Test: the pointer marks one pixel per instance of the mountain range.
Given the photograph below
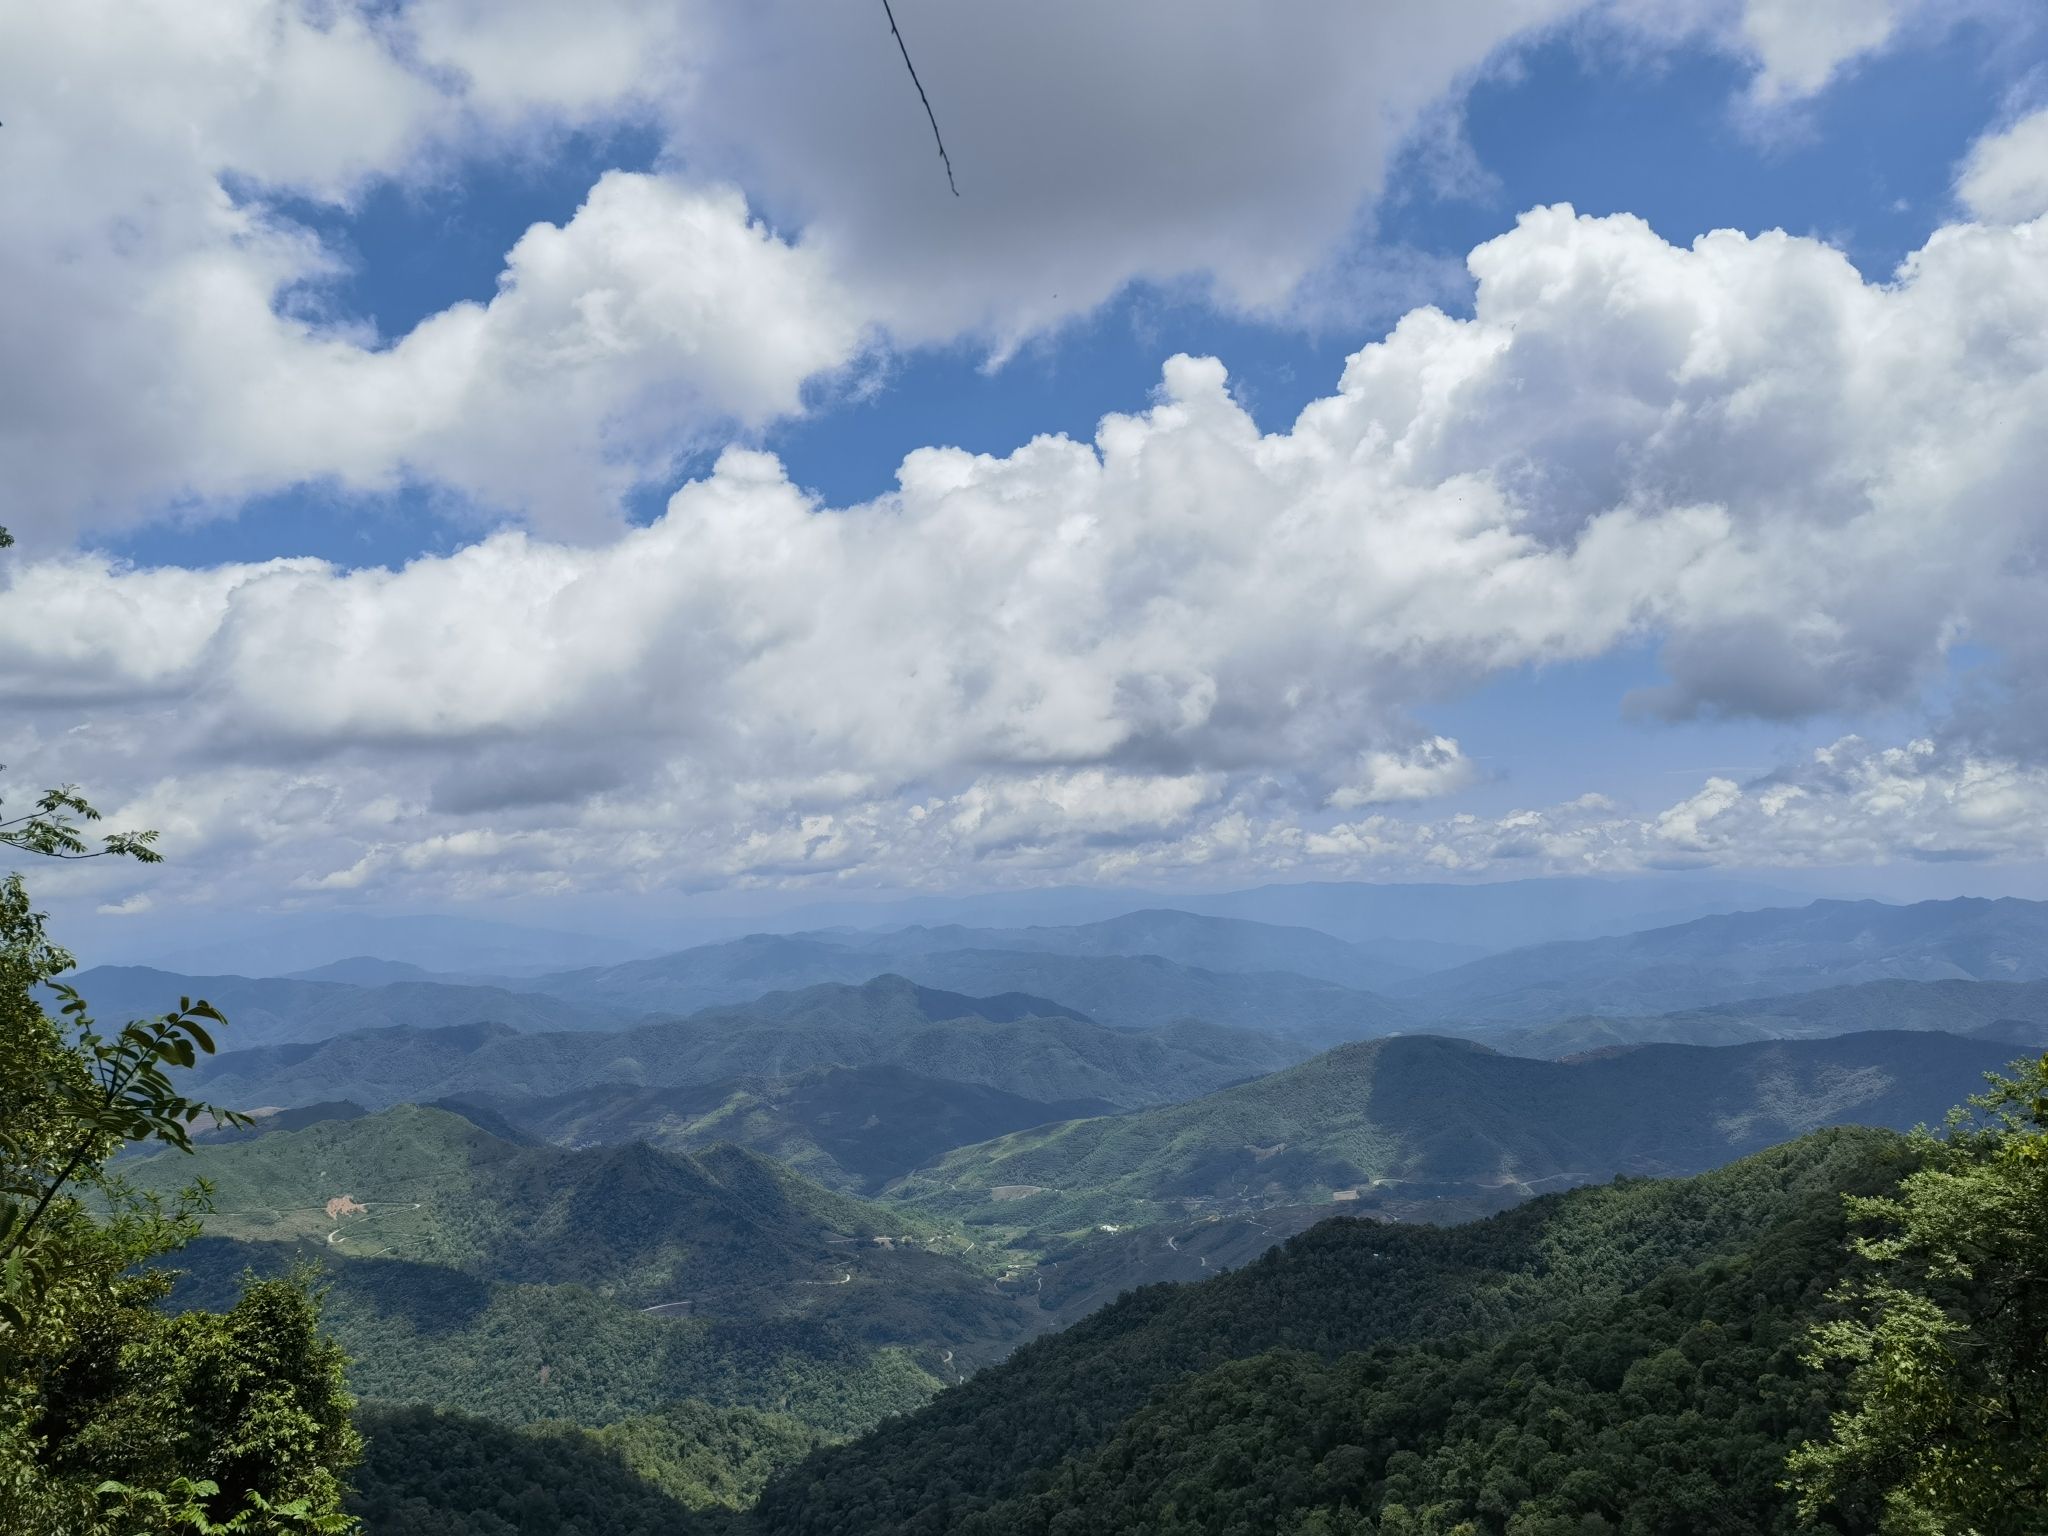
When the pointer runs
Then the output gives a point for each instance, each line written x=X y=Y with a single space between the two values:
x=1140 y=970
x=1131 y=990
x=1210 y=943
x=1430 y=925
x=2015 y=1012
x=1031 y=1049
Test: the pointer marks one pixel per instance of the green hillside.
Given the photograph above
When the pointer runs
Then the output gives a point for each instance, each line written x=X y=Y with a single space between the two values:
x=1644 y=1331
x=885 y=1022
x=532 y=1282
x=1412 y=1125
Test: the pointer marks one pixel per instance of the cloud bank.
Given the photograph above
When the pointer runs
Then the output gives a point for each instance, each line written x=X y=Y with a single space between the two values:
x=1183 y=645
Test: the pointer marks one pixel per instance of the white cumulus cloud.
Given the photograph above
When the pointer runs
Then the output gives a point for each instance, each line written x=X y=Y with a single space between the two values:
x=2005 y=177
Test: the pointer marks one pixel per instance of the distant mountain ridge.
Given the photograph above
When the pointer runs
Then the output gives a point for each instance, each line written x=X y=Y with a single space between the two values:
x=280 y=1010
x=2014 y=1011
x=1433 y=924
x=1134 y=991
x=283 y=946
x=1731 y=958
x=1186 y=938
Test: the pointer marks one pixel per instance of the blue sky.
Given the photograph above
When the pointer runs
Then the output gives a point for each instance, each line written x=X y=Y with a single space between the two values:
x=792 y=710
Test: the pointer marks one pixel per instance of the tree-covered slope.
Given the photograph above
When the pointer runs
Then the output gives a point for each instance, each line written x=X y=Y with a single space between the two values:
x=885 y=1022
x=1213 y=1407
x=1746 y=955
x=1422 y=1117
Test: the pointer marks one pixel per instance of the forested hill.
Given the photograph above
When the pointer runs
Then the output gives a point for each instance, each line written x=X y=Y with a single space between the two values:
x=1424 y=1119
x=1619 y=1357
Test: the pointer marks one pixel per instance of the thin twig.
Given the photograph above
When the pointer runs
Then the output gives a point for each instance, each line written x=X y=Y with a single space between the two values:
x=904 y=49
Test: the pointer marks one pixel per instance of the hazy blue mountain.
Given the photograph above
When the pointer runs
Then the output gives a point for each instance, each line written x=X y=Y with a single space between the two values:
x=290 y=945
x=1136 y=991
x=2009 y=1010
x=1188 y=938
x=1425 y=925
x=888 y=1000
x=369 y=971
x=707 y=975
x=270 y=1010
x=1745 y=955
x=1494 y=916
x=888 y=1021
x=1401 y=1122
x=1141 y=991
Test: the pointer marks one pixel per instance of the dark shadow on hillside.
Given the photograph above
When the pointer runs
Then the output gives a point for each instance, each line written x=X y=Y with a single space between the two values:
x=430 y=1297
x=428 y=1473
